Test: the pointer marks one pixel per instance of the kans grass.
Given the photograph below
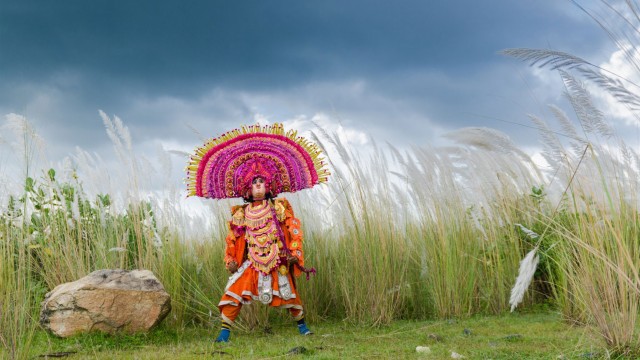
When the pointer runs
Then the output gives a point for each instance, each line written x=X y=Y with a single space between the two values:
x=423 y=234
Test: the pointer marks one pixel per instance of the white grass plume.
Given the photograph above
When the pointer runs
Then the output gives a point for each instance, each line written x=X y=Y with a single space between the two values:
x=181 y=153
x=557 y=60
x=553 y=151
x=578 y=142
x=590 y=117
x=484 y=138
x=75 y=206
x=123 y=132
x=530 y=233
x=615 y=87
x=544 y=57
x=528 y=267
x=111 y=129
x=25 y=142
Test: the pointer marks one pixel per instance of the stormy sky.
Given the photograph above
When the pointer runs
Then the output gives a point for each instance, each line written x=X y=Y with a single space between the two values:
x=403 y=72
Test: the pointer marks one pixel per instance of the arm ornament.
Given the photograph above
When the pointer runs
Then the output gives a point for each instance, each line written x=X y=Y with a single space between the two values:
x=237 y=218
x=279 y=205
x=295 y=239
x=293 y=228
x=235 y=242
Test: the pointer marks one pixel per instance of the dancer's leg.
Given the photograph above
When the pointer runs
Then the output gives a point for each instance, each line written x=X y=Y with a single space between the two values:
x=228 y=313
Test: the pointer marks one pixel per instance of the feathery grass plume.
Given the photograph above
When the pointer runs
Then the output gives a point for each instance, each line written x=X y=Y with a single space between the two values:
x=553 y=151
x=112 y=132
x=482 y=137
x=396 y=154
x=180 y=153
x=545 y=57
x=615 y=87
x=27 y=145
x=121 y=138
x=123 y=133
x=494 y=140
x=577 y=142
x=530 y=233
x=75 y=208
x=528 y=267
x=613 y=84
x=591 y=119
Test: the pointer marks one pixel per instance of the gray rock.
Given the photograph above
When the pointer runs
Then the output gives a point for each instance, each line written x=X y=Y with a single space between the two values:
x=106 y=300
x=513 y=337
x=297 y=350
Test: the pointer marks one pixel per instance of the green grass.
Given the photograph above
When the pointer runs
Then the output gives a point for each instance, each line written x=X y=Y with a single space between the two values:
x=539 y=335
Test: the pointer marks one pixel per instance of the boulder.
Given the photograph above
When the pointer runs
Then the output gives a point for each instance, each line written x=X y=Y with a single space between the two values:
x=106 y=300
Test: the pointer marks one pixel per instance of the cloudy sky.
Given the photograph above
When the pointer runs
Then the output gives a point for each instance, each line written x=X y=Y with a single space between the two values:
x=404 y=72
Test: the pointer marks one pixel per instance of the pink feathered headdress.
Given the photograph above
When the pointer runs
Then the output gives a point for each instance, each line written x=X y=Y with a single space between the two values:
x=225 y=167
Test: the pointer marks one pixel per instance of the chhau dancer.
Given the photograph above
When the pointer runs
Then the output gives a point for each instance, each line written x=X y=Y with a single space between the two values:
x=264 y=244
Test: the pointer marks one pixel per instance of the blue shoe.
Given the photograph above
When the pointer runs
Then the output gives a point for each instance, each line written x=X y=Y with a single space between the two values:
x=304 y=330
x=223 y=336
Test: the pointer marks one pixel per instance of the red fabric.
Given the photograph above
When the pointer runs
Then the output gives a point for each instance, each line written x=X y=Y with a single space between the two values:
x=247 y=287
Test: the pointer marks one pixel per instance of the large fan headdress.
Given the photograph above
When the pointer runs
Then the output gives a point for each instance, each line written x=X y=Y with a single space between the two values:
x=224 y=167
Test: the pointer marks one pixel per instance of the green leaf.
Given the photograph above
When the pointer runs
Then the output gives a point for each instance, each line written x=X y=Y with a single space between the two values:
x=29 y=183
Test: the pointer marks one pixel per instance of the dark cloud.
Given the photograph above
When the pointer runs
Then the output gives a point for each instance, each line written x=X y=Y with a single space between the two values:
x=170 y=47
x=395 y=68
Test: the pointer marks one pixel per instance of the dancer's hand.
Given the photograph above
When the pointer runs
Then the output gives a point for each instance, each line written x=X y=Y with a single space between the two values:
x=232 y=266
x=292 y=260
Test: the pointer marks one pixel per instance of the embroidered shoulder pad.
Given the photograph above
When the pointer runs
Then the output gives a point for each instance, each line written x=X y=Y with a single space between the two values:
x=238 y=215
x=279 y=205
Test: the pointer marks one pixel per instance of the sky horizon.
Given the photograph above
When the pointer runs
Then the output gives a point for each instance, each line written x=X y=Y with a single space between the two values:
x=405 y=73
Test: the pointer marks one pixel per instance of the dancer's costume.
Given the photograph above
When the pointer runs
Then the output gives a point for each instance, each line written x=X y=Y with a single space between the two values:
x=265 y=238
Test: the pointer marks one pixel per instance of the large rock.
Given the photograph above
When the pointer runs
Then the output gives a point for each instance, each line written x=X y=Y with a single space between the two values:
x=106 y=300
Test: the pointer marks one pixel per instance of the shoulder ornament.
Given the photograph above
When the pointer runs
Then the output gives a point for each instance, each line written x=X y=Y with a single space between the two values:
x=238 y=217
x=279 y=205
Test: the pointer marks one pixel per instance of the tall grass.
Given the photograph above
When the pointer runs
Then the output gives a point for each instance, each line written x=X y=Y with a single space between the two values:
x=426 y=233
x=19 y=293
x=18 y=296
x=420 y=234
x=404 y=230
x=597 y=236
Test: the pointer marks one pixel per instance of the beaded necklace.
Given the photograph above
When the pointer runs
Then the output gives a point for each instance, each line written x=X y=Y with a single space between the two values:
x=262 y=236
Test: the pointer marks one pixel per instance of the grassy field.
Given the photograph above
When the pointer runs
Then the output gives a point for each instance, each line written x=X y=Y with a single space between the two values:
x=539 y=335
x=451 y=252
x=448 y=245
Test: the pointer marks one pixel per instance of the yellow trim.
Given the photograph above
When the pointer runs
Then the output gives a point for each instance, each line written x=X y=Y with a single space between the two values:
x=312 y=149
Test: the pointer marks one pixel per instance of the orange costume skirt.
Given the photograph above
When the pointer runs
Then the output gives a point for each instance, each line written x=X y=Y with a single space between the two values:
x=248 y=284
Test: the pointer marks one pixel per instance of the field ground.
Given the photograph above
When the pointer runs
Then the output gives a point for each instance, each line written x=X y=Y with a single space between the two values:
x=539 y=335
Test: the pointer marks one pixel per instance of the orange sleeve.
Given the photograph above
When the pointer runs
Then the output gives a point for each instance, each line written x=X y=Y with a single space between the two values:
x=235 y=242
x=230 y=249
x=292 y=228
